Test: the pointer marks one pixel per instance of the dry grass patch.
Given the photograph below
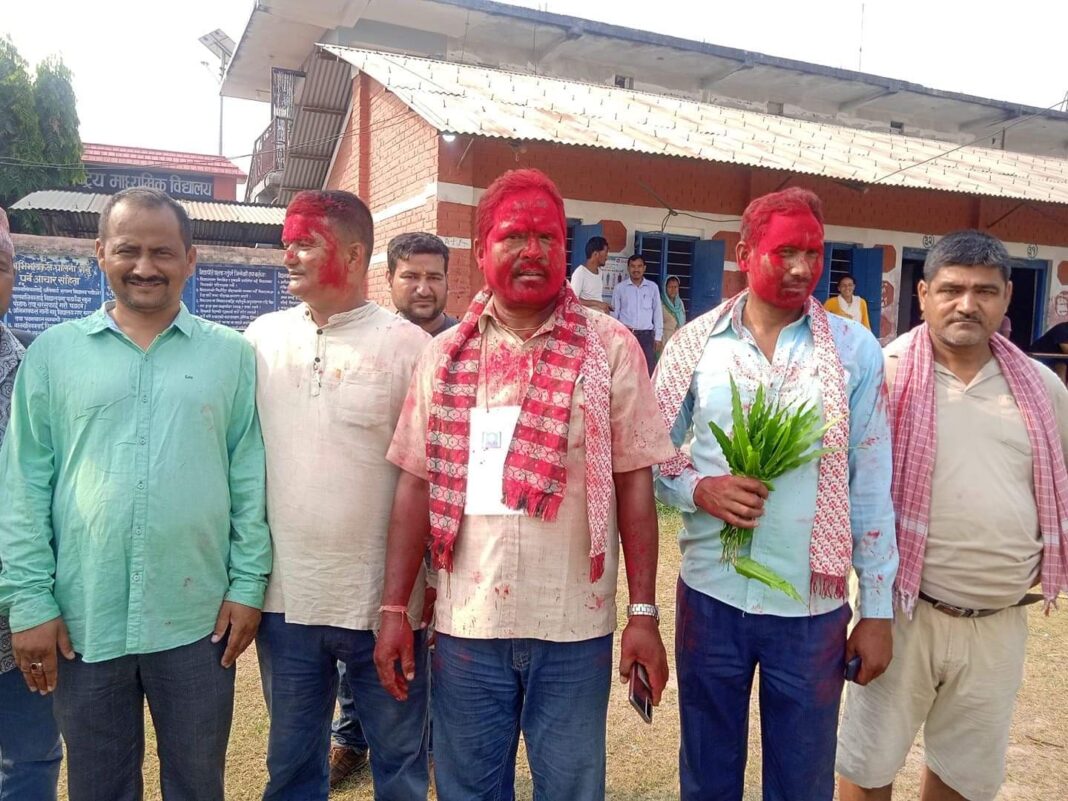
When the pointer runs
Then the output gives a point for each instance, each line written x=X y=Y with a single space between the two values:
x=643 y=760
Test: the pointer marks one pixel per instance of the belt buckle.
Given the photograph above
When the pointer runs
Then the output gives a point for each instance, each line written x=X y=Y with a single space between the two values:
x=955 y=611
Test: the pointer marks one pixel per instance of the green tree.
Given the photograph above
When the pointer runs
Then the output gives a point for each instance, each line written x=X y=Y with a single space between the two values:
x=38 y=126
x=57 y=119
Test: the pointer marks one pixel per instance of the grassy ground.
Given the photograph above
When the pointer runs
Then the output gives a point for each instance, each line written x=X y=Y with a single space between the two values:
x=643 y=760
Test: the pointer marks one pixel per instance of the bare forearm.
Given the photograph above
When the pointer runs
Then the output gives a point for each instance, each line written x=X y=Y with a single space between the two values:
x=638 y=532
x=409 y=527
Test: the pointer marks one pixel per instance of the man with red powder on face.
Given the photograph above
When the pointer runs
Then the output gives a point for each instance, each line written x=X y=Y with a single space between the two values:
x=332 y=373
x=821 y=519
x=526 y=442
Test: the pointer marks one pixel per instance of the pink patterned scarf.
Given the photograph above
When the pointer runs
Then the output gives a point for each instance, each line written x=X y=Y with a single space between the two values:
x=831 y=545
x=912 y=421
x=535 y=473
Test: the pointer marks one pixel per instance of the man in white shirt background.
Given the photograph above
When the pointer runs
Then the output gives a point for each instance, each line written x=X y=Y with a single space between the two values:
x=636 y=304
x=587 y=281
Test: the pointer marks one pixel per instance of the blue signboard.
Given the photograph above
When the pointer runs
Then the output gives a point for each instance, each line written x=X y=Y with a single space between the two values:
x=52 y=289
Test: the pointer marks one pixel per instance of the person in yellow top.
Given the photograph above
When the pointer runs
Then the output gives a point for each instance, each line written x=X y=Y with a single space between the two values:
x=847 y=304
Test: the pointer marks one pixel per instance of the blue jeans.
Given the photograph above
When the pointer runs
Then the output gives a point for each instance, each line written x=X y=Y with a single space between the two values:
x=717 y=649
x=488 y=691
x=30 y=752
x=100 y=708
x=298 y=666
x=346 y=729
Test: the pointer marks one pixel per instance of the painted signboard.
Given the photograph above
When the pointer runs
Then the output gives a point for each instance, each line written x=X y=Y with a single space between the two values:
x=52 y=289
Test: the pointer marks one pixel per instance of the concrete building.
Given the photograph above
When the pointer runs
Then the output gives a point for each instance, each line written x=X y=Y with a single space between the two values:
x=656 y=143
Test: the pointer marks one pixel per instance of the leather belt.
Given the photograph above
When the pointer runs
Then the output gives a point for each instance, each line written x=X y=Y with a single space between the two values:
x=960 y=611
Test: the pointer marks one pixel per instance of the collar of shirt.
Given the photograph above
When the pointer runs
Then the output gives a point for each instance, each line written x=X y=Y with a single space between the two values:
x=736 y=323
x=101 y=320
x=490 y=313
x=341 y=318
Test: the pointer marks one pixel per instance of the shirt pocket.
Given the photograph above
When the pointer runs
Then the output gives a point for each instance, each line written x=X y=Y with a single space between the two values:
x=364 y=398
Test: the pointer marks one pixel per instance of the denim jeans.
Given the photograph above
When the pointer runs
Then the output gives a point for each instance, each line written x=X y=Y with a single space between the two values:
x=100 y=708
x=717 y=649
x=346 y=728
x=488 y=691
x=298 y=666
x=30 y=752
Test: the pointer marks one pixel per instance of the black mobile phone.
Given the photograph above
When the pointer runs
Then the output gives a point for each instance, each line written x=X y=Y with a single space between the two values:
x=641 y=694
x=852 y=668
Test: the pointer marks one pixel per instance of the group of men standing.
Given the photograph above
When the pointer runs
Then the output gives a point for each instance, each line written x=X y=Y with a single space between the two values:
x=172 y=490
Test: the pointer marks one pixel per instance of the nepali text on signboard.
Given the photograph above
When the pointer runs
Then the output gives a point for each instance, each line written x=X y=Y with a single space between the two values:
x=181 y=185
x=53 y=289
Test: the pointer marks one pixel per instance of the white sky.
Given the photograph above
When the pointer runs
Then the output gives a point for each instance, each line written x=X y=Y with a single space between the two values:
x=139 y=78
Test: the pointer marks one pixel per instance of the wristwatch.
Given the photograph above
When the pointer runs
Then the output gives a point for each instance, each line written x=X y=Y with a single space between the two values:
x=649 y=610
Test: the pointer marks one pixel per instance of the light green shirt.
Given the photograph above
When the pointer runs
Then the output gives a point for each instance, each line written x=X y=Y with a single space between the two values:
x=132 y=485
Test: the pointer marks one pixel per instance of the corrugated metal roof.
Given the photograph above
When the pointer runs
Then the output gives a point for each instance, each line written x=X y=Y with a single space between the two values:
x=208 y=211
x=464 y=99
x=120 y=155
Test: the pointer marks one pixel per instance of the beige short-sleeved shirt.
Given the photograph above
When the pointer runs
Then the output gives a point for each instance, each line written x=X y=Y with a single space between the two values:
x=328 y=400
x=984 y=547
x=518 y=576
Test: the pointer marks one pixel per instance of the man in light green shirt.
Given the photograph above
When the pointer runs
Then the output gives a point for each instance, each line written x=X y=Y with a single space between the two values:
x=132 y=522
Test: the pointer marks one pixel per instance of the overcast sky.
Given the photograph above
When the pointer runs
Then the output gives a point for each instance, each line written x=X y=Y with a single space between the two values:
x=139 y=78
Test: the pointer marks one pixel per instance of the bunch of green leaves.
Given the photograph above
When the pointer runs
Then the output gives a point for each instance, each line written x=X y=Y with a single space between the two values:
x=766 y=441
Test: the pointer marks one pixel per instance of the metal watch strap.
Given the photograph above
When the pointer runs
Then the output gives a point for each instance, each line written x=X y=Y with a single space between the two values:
x=649 y=610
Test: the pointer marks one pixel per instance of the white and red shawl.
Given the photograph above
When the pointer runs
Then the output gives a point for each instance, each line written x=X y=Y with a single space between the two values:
x=913 y=420
x=831 y=545
x=535 y=471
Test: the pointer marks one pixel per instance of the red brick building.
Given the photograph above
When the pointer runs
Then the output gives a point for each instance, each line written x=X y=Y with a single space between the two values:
x=665 y=173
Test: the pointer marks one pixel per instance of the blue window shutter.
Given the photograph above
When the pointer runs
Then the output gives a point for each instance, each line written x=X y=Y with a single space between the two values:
x=867 y=270
x=706 y=278
x=583 y=234
x=823 y=288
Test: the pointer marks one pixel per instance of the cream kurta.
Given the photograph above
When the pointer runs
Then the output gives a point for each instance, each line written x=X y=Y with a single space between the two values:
x=328 y=400
x=984 y=547
x=518 y=576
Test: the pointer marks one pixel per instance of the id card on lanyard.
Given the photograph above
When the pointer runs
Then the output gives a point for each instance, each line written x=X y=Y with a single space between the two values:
x=491 y=436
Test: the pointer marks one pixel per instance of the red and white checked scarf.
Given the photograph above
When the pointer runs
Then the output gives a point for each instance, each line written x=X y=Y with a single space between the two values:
x=912 y=422
x=535 y=470
x=831 y=547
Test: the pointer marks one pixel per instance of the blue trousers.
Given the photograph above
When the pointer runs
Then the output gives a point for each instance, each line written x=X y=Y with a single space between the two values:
x=717 y=650
x=30 y=751
x=100 y=708
x=346 y=728
x=298 y=667
x=488 y=691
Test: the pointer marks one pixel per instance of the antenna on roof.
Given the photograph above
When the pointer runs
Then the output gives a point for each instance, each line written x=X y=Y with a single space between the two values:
x=860 y=51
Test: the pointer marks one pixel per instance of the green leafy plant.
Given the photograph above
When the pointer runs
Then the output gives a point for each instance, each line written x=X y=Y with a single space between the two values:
x=765 y=442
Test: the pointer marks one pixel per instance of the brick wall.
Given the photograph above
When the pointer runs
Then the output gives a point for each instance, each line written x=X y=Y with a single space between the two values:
x=387 y=155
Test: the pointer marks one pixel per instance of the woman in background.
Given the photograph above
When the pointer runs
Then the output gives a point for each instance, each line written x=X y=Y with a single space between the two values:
x=674 y=311
x=847 y=304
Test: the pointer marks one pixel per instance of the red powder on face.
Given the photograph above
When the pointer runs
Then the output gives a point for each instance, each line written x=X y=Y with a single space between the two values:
x=785 y=265
x=306 y=217
x=524 y=259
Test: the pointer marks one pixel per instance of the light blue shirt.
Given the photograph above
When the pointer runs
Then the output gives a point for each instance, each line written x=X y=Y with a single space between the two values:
x=638 y=307
x=781 y=540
